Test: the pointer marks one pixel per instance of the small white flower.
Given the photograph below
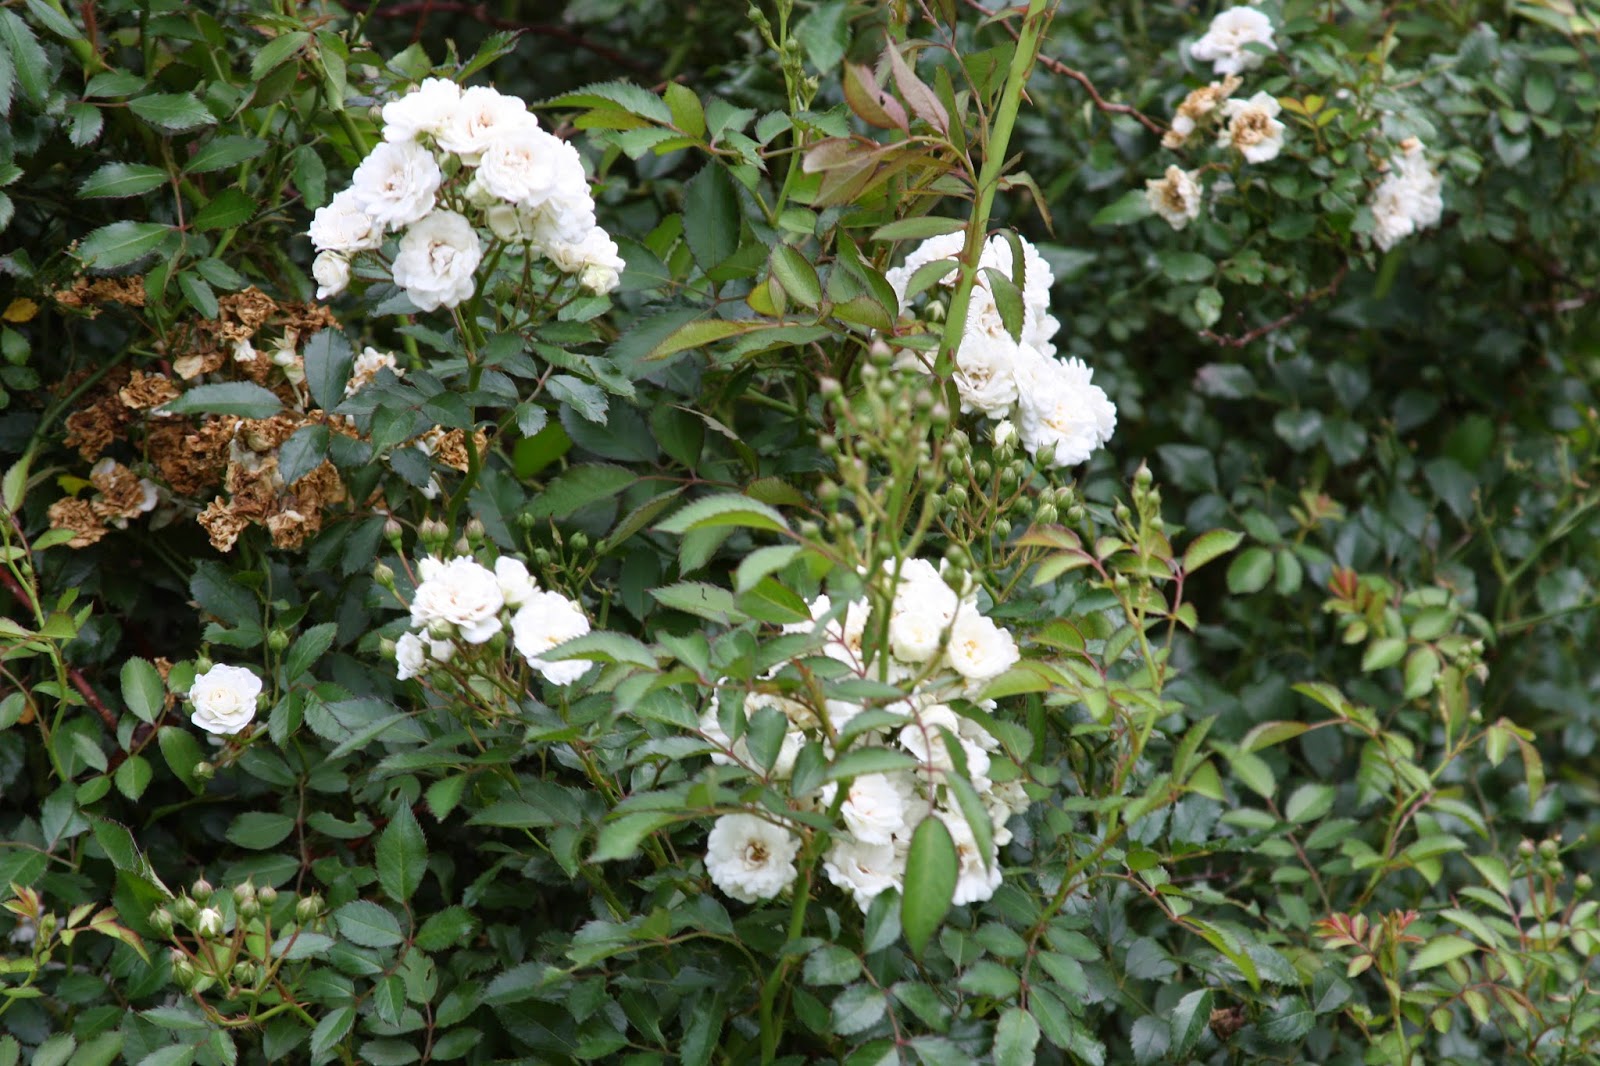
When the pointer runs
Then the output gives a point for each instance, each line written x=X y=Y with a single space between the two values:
x=224 y=699
x=332 y=273
x=482 y=116
x=864 y=870
x=1005 y=434
x=516 y=584
x=208 y=923
x=428 y=110
x=410 y=656
x=594 y=259
x=366 y=367
x=1253 y=128
x=925 y=739
x=528 y=166
x=1223 y=45
x=1060 y=406
x=874 y=809
x=980 y=650
x=1408 y=199
x=985 y=373
x=1175 y=197
x=396 y=184
x=341 y=225
x=460 y=593
x=546 y=621
x=749 y=858
x=437 y=260
x=26 y=932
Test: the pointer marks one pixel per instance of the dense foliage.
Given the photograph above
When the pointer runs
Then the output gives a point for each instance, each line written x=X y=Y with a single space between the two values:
x=844 y=532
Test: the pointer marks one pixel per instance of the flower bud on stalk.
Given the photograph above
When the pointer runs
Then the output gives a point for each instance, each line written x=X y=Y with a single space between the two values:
x=208 y=923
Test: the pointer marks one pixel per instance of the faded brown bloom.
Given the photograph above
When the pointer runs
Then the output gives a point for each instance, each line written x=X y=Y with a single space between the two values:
x=241 y=314
x=222 y=524
x=90 y=292
x=1196 y=107
x=289 y=528
x=92 y=429
x=123 y=495
x=144 y=391
x=450 y=446
x=78 y=516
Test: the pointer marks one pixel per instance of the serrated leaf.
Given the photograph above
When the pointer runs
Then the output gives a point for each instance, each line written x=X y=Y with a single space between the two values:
x=1209 y=546
x=143 y=690
x=175 y=112
x=402 y=855
x=230 y=208
x=1440 y=950
x=121 y=179
x=711 y=216
x=930 y=880
x=367 y=924
x=307 y=649
x=218 y=153
x=28 y=59
x=713 y=512
x=243 y=398
x=121 y=243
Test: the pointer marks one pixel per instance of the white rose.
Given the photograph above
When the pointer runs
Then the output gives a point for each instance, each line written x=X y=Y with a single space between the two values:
x=224 y=699
x=594 y=259
x=874 y=809
x=437 y=260
x=1175 y=197
x=1058 y=405
x=410 y=657
x=979 y=650
x=1253 y=128
x=479 y=118
x=526 y=166
x=864 y=870
x=516 y=584
x=985 y=373
x=364 y=371
x=749 y=858
x=332 y=272
x=1223 y=45
x=396 y=184
x=342 y=226
x=429 y=110
x=976 y=880
x=548 y=620
x=461 y=593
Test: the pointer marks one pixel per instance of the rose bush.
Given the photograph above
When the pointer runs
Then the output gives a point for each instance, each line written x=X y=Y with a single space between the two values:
x=640 y=541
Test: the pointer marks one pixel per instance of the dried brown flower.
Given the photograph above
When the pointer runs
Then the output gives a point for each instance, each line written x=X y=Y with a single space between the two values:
x=78 y=516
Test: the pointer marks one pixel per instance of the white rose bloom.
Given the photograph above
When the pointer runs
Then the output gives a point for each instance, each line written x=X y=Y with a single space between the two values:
x=546 y=621
x=924 y=739
x=1253 y=128
x=1005 y=434
x=979 y=650
x=461 y=593
x=974 y=882
x=1408 y=199
x=749 y=858
x=864 y=870
x=479 y=118
x=527 y=166
x=224 y=699
x=332 y=273
x=437 y=260
x=342 y=226
x=1223 y=45
x=985 y=373
x=567 y=215
x=1175 y=197
x=1038 y=327
x=396 y=184
x=516 y=584
x=594 y=259
x=1059 y=405
x=364 y=371
x=874 y=809
x=427 y=110
x=410 y=656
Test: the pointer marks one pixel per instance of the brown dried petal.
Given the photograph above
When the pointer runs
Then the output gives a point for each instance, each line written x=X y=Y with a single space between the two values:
x=78 y=516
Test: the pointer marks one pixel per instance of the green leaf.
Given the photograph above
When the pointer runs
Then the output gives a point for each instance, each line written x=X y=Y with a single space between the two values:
x=143 y=690
x=930 y=880
x=176 y=112
x=1186 y=266
x=580 y=486
x=857 y=1008
x=182 y=753
x=711 y=216
x=367 y=924
x=1209 y=546
x=446 y=928
x=1291 y=1020
x=243 y=398
x=1309 y=802
x=328 y=359
x=333 y=1028
x=796 y=274
x=229 y=208
x=1131 y=206
x=31 y=65
x=1250 y=571
x=713 y=512
x=199 y=294
x=121 y=243
x=402 y=855
x=869 y=760
x=699 y=598
x=1440 y=950
x=121 y=179
x=276 y=52
x=1382 y=653
x=259 y=830
x=302 y=453
x=219 y=153
x=621 y=94
x=1016 y=1038
x=917 y=229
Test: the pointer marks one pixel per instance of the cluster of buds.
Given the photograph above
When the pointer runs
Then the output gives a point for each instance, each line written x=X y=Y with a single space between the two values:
x=218 y=937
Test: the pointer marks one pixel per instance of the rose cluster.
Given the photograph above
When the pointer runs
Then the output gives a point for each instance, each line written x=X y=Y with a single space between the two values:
x=1408 y=199
x=942 y=650
x=453 y=161
x=1062 y=417
x=460 y=604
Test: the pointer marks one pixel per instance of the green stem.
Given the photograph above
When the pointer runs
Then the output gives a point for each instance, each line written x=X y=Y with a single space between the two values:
x=994 y=161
